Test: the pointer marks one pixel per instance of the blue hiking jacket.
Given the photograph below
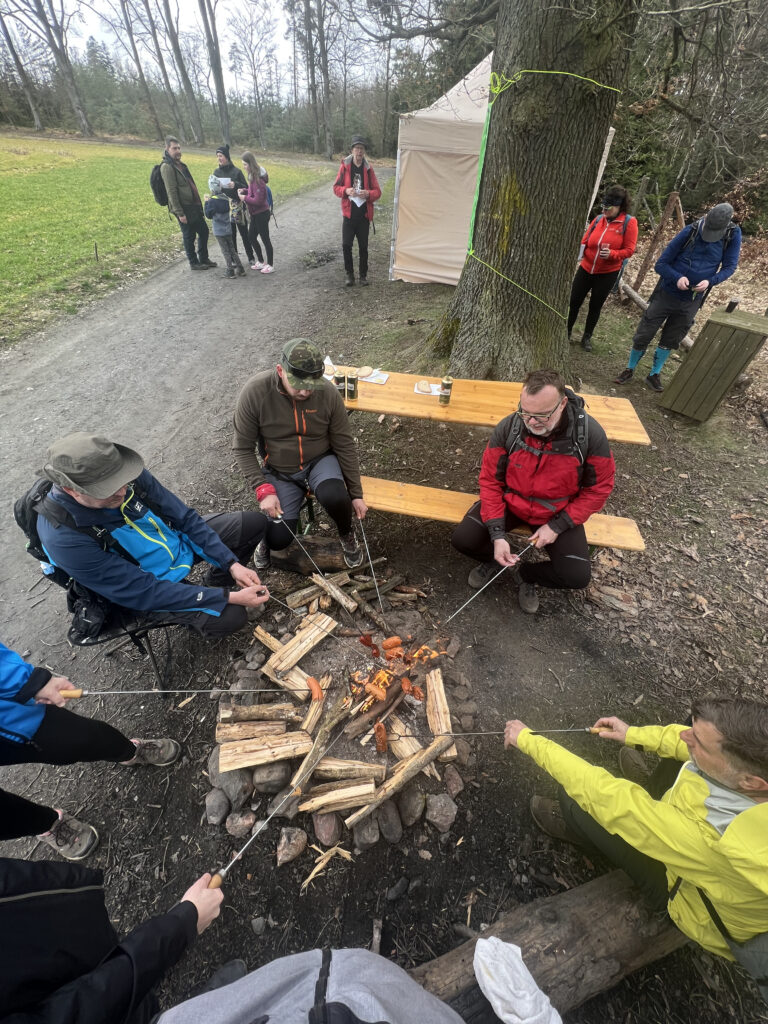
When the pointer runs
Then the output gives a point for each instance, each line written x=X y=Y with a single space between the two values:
x=20 y=717
x=702 y=261
x=217 y=209
x=162 y=534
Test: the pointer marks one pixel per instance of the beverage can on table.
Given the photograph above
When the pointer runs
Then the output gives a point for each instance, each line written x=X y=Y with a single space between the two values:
x=340 y=383
x=352 y=386
x=445 y=390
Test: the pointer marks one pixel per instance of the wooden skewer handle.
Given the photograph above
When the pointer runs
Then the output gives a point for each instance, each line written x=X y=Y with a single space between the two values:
x=595 y=732
x=71 y=694
x=216 y=881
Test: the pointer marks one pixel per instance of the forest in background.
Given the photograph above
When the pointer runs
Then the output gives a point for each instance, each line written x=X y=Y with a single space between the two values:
x=691 y=115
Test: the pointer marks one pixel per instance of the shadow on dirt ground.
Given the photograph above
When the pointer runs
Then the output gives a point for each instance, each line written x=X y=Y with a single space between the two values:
x=158 y=368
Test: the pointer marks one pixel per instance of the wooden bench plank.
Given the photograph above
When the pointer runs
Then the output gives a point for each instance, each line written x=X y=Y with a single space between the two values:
x=451 y=507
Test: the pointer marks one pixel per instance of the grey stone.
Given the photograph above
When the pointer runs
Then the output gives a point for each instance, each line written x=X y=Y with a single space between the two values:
x=463 y=750
x=215 y=693
x=441 y=811
x=327 y=827
x=293 y=842
x=271 y=778
x=259 y=925
x=460 y=693
x=416 y=883
x=405 y=623
x=237 y=784
x=411 y=804
x=467 y=723
x=255 y=656
x=366 y=833
x=453 y=781
x=389 y=822
x=397 y=890
x=453 y=647
x=258 y=826
x=240 y=823
x=289 y=809
x=216 y=806
x=468 y=707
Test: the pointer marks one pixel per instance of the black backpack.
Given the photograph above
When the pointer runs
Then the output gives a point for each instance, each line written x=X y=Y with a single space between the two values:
x=157 y=185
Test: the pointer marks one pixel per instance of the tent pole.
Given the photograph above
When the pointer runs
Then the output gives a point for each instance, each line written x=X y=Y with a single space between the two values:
x=394 y=213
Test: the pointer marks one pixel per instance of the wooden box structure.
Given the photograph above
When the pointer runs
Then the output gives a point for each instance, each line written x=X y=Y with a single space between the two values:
x=727 y=344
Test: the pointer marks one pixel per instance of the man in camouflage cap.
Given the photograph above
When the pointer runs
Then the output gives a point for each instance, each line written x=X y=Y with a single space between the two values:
x=292 y=436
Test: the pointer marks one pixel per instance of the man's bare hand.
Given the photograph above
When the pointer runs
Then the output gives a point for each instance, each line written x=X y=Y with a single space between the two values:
x=701 y=286
x=207 y=902
x=182 y=220
x=543 y=536
x=511 y=732
x=49 y=694
x=271 y=506
x=683 y=283
x=502 y=552
x=360 y=507
x=612 y=728
x=249 y=597
x=243 y=576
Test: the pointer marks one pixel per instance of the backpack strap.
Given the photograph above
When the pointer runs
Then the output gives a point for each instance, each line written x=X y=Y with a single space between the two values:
x=55 y=513
x=592 y=227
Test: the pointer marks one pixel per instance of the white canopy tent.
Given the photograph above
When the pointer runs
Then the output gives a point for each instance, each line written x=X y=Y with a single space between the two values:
x=437 y=157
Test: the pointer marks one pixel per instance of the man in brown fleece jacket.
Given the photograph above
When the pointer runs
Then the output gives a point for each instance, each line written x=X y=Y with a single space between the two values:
x=296 y=422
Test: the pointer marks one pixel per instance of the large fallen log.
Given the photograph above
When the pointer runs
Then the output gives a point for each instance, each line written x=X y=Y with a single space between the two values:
x=575 y=944
x=326 y=552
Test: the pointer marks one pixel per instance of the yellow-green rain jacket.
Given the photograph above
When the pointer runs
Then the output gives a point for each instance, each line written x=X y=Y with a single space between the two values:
x=708 y=836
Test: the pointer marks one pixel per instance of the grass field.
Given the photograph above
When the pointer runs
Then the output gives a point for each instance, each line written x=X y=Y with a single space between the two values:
x=65 y=201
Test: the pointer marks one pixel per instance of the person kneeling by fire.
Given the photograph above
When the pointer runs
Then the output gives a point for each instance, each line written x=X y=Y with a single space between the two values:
x=548 y=466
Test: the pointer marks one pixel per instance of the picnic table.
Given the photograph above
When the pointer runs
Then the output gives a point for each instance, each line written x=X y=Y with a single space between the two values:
x=484 y=403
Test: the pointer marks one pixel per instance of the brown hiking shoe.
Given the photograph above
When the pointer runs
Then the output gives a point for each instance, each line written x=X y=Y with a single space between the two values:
x=527 y=594
x=549 y=819
x=157 y=752
x=633 y=767
x=70 y=838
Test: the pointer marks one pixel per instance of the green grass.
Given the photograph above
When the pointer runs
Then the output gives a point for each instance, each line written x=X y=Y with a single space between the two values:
x=66 y=201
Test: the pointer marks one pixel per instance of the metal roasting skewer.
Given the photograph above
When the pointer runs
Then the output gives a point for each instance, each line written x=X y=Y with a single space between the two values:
x=370 y=562
x=295 y=537
x=490 y=581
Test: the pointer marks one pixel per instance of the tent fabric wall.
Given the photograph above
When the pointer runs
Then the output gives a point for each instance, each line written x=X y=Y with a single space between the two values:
x=438 y=154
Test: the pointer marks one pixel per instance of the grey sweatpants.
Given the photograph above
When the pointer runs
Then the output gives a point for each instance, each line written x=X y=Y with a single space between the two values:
x=676 y=316
x=229 y=252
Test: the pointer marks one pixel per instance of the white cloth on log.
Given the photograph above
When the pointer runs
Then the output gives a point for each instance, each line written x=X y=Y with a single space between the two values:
x=508 y=985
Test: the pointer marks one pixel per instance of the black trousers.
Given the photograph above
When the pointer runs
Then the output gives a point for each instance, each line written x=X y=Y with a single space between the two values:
x=259 y=225
x=568 y=567
x=62 y=738
x=674 y=316
x=243 y=230
x=195 y=228
x=356 y=226
x=598 y=287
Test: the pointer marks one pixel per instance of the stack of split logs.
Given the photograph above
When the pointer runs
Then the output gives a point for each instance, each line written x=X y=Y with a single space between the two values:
x=347 y=747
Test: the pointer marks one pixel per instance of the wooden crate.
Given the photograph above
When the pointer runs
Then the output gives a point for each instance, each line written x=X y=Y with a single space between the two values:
x=727 y=344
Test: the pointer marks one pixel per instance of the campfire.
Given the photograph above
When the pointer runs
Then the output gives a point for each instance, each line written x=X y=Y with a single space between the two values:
x=348 y=746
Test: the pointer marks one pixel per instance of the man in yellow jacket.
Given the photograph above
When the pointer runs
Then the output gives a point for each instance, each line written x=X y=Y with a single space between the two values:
x=704 y=840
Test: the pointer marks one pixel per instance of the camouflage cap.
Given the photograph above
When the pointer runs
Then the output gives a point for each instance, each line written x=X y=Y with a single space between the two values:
x=302 y=362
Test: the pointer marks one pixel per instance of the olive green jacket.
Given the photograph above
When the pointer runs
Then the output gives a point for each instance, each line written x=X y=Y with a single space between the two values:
x=182 y=197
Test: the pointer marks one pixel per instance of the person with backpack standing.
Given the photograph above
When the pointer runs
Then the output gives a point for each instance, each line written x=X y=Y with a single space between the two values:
x=256 y=198
x=185 y=204
x=699 y=257
x=35 y=730
x=608 y=243
x=358 y=189
x=226 y=171
x=547 y=466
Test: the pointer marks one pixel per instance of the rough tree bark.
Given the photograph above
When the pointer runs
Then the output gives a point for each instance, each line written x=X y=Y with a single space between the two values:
x=181 y=67
x=127 y=18
x=309 y=53
x=545 y=138
x=322 y=52
x=26 y=85
x=170 y=95
x=208 y=14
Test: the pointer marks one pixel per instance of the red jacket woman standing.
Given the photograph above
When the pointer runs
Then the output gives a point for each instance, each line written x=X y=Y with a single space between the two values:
x=609 y=240
x=358 y=189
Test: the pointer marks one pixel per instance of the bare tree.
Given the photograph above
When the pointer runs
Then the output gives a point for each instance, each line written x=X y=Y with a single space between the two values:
x=50 y=21
x=322 y=54
x=157 y=52
x=170 y=24
x=254 y=29
x=208 y=14
x=26 y=85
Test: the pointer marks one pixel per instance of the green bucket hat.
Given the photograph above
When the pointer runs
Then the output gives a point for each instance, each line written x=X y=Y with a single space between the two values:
x=91 y=464
x=302 y=362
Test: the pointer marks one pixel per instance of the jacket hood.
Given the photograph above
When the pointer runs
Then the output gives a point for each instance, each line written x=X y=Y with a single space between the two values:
x=348 y=160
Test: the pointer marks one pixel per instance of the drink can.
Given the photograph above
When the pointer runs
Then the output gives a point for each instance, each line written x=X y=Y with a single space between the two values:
x=352 y=386
x=340 y=383
x=445 y=390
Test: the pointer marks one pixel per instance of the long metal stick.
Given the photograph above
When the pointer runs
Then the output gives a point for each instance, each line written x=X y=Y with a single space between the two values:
x=295 y=537
x=370 y=562
x=77 y=692
x=490 y=581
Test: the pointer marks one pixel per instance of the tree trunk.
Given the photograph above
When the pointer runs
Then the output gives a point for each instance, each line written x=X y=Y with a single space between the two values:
x=385 y=123
x=323 y=55
x=170 y=94
x=189 y=92
x=310 y=56
x=26 y=85
x=128 y=24
x=545 y=138
x=575 y=944
x=208 y=15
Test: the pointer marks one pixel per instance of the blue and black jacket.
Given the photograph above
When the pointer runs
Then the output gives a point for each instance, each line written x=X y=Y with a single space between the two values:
x=158 y=539
x=701 y=261
x=20 y=717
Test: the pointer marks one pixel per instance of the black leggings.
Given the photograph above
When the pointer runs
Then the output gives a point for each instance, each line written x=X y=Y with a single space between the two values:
x=568 y=567
x=259 y=225
x=600 y=286
x=62 y=738
x=243 y=229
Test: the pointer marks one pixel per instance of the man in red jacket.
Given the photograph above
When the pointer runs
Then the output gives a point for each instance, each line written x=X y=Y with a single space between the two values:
x=547 y=466
x=358 y=189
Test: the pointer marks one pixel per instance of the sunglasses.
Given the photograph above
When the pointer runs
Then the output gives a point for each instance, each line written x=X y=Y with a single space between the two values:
x=302 y=374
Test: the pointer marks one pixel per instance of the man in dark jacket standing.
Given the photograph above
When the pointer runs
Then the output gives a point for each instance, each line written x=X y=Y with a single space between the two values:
x=547 y=466
x=185 y=204
x=358 y=189
x=698 y=257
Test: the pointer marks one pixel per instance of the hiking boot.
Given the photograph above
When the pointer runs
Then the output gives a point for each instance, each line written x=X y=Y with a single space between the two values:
x=157 y=752
x=527 y=595
x=549 y=819
x=353 y=553
x=70 y=838
x=197 y=266
x=229 y=272
x=241 y=271
x=633 y=767
x=624 y=377
x=349 y=280
x=482 y=574
x=654 y=381
x=207 y=262
x=262 y=557
x=363 y=281
x=586 y=342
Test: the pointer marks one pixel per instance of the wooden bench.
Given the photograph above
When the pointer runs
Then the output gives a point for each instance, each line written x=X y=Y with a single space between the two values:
x=451 y=507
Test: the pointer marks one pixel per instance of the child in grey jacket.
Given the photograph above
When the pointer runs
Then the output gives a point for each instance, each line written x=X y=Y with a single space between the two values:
x=217 y=210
